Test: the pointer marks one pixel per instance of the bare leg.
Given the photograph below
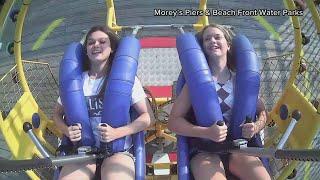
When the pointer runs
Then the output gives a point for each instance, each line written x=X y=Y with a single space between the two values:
x=119 y=166
x=248 y=167
x=78 y=171
x=207 y=166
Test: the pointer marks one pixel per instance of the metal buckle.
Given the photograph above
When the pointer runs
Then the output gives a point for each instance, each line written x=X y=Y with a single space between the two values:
x=240 y=143
x=84 y=149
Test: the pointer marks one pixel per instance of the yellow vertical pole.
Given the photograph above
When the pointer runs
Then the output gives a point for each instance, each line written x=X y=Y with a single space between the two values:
x=111 y=16
x=4 y=13
x=202 y=20
x=17 y=45
x=297 y=47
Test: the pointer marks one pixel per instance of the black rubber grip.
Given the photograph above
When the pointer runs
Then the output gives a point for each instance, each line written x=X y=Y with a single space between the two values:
x=299 y=155
x=214 y=147
x=220 y=123
x=22 y=165
x=296 y=114
x=103 y=145
x=248 y=120
x=27 y=126
x=75 y=124
x=104 y=124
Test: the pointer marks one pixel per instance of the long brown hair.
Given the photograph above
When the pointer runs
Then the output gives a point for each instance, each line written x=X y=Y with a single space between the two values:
x=114 y=41
x=228 y=34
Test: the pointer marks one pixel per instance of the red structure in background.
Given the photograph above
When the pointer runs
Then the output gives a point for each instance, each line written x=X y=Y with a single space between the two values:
x=159 y=91
x=159 y=42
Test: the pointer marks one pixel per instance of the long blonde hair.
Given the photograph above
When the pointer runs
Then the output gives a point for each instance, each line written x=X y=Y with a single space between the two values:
x=228 y=34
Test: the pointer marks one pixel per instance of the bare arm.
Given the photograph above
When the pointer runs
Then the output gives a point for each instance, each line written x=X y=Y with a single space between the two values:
x=144 y=110
x=72 y=132
x=177 y=122
x=250 y=129
x=181 y=126
x=109 y=133
x=150 y=112
x=261 y=121
x=58 y=119
x=262 y=116
x=143 y=121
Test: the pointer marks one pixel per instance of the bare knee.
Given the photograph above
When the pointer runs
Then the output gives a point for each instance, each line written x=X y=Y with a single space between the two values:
x=74 y=171
x=246 y=167
x=207 y=166
x=118 y=166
